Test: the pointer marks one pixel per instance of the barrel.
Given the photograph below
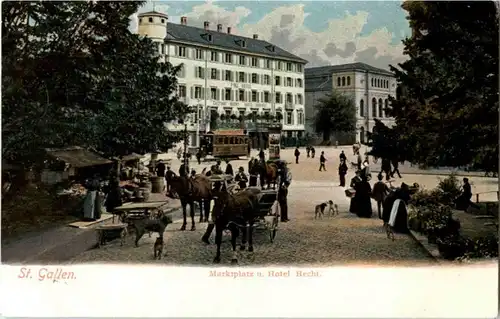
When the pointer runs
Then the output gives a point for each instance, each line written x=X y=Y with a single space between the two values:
x=157 y=184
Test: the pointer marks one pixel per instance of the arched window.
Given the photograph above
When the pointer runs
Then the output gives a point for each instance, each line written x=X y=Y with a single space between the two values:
x=374 y=107
x=343 y=81
x=386 y=84
x=362 y=134
x=362 y=108
x=378 y=83
x=348 y=80
x=338 y=81
x=386 y=106
x=380 y=108
x=372 y=82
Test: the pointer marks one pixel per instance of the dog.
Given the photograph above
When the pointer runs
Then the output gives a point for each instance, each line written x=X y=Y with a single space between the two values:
x=319 y=210
x=388 y=231
x=333 y=209
x=151 y=225
x=158 y=248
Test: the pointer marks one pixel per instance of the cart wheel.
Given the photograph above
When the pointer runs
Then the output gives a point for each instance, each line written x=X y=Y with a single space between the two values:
x=273 y=229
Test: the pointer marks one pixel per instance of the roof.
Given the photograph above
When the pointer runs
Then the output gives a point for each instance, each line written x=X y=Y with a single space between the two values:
x=225 y=40
x=77 y=156
x=358 y=66
x=319 y=83
x=152 y=13
x=131 y=157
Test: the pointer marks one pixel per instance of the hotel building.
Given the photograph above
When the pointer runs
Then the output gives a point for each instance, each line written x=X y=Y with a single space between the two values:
x=225 y=75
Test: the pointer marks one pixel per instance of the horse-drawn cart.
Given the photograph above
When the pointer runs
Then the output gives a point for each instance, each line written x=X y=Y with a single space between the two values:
x=267 y=218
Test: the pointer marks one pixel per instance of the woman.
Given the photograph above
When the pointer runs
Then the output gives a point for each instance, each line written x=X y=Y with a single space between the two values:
x=114 y=198
x=363 y=198
x=354 y=181
x=91 y=205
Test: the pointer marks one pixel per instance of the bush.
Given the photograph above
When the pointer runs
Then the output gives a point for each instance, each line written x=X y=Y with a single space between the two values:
x=449 y=189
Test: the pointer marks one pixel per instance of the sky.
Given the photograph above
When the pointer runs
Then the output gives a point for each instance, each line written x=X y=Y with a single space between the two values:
x=321 y=32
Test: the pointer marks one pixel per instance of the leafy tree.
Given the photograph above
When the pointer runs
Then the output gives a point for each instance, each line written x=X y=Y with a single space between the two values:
x=448 y=114
x=73 y=74
x=334 y=113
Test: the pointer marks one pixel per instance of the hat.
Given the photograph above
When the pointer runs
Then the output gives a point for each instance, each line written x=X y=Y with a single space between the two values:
x=241 y=168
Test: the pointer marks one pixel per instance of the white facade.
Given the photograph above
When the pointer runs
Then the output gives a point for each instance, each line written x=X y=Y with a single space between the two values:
x=232 y=82
x=370 y=91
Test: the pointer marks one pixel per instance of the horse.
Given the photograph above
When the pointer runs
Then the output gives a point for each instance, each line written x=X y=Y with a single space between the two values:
x=190 y=190
x=268 y=173
x=234 y=212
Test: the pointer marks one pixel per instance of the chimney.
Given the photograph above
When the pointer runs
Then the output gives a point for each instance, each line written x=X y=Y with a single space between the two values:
x=219 y=28
x=206 y=24
x=228 y=30
x=255 y=36
x=184 y=20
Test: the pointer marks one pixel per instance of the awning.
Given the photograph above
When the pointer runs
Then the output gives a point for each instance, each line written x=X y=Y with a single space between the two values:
x=132 y=157
x=77 y=156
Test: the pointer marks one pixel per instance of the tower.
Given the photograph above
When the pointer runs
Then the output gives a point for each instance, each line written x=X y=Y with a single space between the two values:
x=153 y=25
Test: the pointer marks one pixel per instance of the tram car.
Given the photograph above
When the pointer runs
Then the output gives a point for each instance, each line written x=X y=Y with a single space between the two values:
x=226 y=144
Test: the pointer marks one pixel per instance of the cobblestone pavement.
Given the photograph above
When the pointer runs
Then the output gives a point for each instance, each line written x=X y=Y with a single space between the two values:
x=302 y=241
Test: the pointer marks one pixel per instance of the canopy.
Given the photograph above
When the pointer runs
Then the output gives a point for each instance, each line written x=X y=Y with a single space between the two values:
x=77 y=156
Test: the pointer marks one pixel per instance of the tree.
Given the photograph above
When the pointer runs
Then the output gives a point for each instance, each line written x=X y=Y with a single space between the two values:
x=334 y=113
x=73 y=74
x=448 y=115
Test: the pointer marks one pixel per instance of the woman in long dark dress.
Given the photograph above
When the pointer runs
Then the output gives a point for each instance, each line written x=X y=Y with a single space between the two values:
x=114 y=198
x=363 y=199
x=355 y=180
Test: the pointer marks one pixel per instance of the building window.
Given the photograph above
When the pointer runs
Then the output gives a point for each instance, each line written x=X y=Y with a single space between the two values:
x=300 y=118
x=269 y=64
x=162 y=20
x=299 y=99
x=228 y=75
x=213 y=74
x=241 y=95
x=254 y=96
x=182 y=91
x=343 y=81
x=198 y=54
x=386 y=105
x=362 y=108
x=299 y=83
x=289 y=66
x=289 y=118
x=289 y=82
x=255 y=62
x=255 y=78
x=279 y=115
x=228 y=58
x=277 y=97
x=374 y=107
x=182 y=51
x=199 y=72
x=299 y=67
x=197 y=92
x=242 y=60
x=140 y=20
x=182 y=71
x=214 y=56
x=241 y=76
x=348 y=80
x=372 y=82
x=280 y=65
x=289 y=98
x=277 y=80
x=380 y=107
x=338 y=81
x=227 y=94
x=213 y=93
x=266 y=97
x=150 y=19
x=267 y=79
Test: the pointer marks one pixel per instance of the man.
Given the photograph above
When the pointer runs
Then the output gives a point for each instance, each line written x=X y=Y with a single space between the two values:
x=262 y=156
x=395 y=165
x=297 y=154
x=313 y=151
x=160 y=169
x=229 y=168
x=282 y=195
x=217 y=168
x=308 y=151
x=322 y=161
x=183 y=170
x=252 y=171
x=342 y=172
x=342 y=156
x=380 y=191
x=386 y=168
x=241 y=178
x=464 y=200
x=198 y=157
x=168 y=176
